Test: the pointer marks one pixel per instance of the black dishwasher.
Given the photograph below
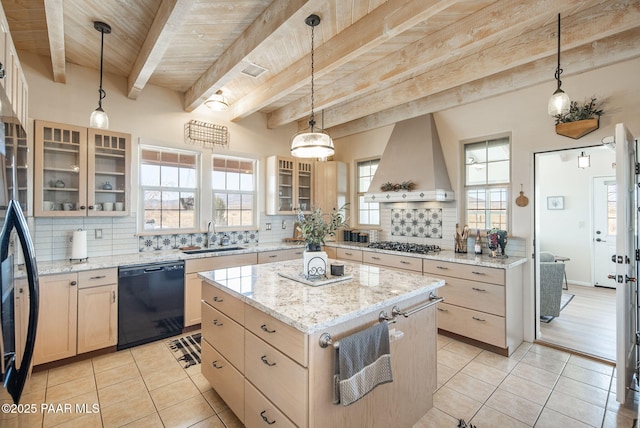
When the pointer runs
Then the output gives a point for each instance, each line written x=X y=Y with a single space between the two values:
x=150 y=302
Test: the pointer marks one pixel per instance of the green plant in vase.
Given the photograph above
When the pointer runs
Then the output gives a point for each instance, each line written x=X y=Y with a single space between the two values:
x=315 y=227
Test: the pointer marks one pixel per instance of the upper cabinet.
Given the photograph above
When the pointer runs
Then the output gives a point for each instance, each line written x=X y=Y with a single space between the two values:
x=16 y=163
x=331 y=185
x=80 y=171
x=289 y=185
x=13 y=83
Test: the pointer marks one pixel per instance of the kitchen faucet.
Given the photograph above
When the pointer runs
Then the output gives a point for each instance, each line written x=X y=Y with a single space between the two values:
x=207 y=242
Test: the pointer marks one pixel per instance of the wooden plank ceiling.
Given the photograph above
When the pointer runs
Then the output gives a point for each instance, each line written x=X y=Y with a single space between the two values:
x=376 y=62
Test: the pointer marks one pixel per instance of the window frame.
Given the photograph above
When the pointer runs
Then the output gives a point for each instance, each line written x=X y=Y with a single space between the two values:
x=486 y=186
x=142 y=189
x=359 y=193
x=254 y=193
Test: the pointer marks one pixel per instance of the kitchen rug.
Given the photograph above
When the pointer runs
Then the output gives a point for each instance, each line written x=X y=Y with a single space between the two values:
x=187 y=349
x=564 y=301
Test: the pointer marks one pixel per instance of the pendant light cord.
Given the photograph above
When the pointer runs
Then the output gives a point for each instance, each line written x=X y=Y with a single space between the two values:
x=312 y=119
x=558 y=69
x=101 y=91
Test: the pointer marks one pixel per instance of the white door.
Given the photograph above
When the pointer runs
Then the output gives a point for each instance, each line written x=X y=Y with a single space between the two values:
x=604 y=231
x=626 y=290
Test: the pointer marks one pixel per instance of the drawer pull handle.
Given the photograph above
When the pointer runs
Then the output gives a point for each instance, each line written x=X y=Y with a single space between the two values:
x=482 y=290
x=264 y=418
x=217 y=299
x=73 y=283
x=349 y=254
x=442 y=267
x=264 y=360
x=375 y=258
x=266 y=329
x=215 y=365
x=443 y=310
x=215 y=322
x=405 y=262
x=273 y=256
x=113 y=294
x=98 y=277
x=477 y=273
x=479 y=319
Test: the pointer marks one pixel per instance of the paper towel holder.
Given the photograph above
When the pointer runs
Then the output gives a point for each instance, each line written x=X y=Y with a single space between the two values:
x=79 y=246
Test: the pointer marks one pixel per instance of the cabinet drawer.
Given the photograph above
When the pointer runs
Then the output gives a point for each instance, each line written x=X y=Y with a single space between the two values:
x=287 y=339
x=349 y=254
x=460 y=270
x=278 y=377
x=393 y=261
x=473 y=324
x=260 y=412
x=219 y=262
x=224 y=302
x=226 y=335
x=224 y=378
x=278 y=256
x=473 y=295
x=94 y=278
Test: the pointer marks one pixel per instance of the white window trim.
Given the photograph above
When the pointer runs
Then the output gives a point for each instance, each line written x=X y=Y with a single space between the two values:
x=357 y=194
x=254 y=193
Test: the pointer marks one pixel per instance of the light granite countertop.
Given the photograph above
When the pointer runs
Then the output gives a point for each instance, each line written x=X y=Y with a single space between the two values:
x=310 y=309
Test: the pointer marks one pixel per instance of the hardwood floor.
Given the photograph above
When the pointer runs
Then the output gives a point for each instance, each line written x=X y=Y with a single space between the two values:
x=587 y=324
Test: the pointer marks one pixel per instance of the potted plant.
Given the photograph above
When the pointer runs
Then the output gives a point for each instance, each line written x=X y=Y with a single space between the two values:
x=581 y=119
x=316 y=226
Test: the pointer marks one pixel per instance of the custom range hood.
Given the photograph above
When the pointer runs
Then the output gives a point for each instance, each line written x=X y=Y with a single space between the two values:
x=413 y=154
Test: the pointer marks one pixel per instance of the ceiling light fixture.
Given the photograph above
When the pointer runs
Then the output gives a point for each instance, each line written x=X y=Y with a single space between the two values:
x=217 y=102
x=584 y=161
x=559 y=103
x=315 y=142
x=99 y=118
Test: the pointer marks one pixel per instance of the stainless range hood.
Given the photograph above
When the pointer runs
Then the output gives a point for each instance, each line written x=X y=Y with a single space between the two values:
x=414 y=154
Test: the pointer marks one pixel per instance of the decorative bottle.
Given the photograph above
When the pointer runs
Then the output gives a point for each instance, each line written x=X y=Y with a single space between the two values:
x=478 y=245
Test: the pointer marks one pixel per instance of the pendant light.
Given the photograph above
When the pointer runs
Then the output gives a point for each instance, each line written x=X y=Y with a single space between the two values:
x=559 y=103
x=217 y=102
x=99 y=118
x=315 y=142
x=584 y=161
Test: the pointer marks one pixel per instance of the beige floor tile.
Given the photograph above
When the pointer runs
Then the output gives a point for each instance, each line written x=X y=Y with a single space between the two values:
x=463 y=349
x=443 y=341
x=552 y=419
x=151 y=364
x=455 y=404
x=69 y=372
x=37 y=381
x=588 y=393
x=173 y=393
x=70 y=410
x=444 y=374
x=471 y=387
x=575 y=408
x=215 y=401
x=452 y=360
x=28 y=420
x=165 y=376
x=82 y=421
x=67 y=390
x=491 y=359
x=484 y=373
x=436 y=418
x=488 y=417
x=200 y=381
x=514 y=406
x=186 y=413
x=544 y=362
x=157 y=349
x=192 y=370
x=127 y=411
x=590 y=364
x=550 y=352
x=587 y=376
x=33 y=397
x=230 y=419
x=629 y=409
x=526 y=389
x=617 y=420
x=150 y=421
x=539 y=376
x=521 y=350
x=116 y=375
x=124 y=390
x=211 y=422
x=110 y=361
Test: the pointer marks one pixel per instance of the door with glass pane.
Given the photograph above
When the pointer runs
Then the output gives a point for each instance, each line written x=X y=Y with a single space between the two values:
x=108 y=173
x=304 y=171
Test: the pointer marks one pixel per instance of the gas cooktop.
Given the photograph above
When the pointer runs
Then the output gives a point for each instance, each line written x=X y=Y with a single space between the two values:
x=405 y=247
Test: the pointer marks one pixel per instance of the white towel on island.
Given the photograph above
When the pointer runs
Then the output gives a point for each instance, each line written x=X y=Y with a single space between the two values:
x=363 y=361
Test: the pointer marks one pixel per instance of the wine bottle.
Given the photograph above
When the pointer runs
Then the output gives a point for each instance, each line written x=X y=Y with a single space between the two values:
x=478 y=245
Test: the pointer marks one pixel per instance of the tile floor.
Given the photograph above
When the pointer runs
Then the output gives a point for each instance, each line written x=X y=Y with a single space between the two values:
x=147 y=387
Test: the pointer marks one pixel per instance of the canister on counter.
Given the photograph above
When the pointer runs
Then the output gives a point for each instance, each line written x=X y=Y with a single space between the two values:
x=363 y=237
x=355 y=236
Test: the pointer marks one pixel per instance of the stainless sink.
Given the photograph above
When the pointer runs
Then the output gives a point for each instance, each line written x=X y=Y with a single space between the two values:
x=213 y=250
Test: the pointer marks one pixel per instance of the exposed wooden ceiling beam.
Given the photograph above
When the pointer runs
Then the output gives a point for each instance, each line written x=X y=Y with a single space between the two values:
x=167 y=21
x=53 y=10
x=583 y=28
x=491 y=24
x=380 y=25
x=614 y=49
x=231 y=61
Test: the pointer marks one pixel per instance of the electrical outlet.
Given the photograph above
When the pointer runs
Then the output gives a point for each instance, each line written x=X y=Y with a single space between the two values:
x=284 y=224
x=98 y=233
x=268 y=226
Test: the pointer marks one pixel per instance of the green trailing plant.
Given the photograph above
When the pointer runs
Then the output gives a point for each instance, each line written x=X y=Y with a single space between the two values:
x=581 y=111
x=315 y=227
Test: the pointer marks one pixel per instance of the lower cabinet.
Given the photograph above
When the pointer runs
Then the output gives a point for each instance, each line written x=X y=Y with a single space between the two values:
x=97 y=310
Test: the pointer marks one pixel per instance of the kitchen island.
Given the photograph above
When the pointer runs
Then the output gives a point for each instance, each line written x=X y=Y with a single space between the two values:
x=262 y=349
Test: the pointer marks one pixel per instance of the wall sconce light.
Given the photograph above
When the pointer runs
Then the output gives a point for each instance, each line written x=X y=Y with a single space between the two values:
x=584 y=161
x=217 y=102
x=559 y=103
x=99 y=118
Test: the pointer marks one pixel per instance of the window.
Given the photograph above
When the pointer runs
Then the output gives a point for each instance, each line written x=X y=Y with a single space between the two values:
x=487 y=178
x=234 y=191
x=168 y=188
x=368 y=212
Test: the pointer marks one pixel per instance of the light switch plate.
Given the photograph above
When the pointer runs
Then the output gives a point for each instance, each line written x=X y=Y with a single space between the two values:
x=98 y=233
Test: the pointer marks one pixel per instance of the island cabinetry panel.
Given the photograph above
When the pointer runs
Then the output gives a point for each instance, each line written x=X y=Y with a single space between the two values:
x=225 y=335
x=280 y=255
x=407 y=263
x=260 y=412
x=349 y=254
x=223 y=302
x=277 y=377
x=224 y=378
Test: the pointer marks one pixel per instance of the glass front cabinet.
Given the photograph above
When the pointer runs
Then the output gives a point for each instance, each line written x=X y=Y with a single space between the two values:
x=80 y=171
x=289 y=185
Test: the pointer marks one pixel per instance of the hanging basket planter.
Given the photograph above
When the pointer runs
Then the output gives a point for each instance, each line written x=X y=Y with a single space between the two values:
x=577 y=129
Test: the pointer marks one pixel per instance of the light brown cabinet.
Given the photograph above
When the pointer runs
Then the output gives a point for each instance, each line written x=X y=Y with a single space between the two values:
x=280 y=255
x=331 y=185
x=80 y=171
x=14 y=84
x=17 y=167
x=394 y=261
x=289 y=185
x=97 y=309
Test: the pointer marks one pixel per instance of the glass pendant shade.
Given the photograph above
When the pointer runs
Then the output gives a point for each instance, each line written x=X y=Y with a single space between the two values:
x=99 y=119
x=312 y=144
x=584 y=161
x=559 y=103
x=217 y=102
